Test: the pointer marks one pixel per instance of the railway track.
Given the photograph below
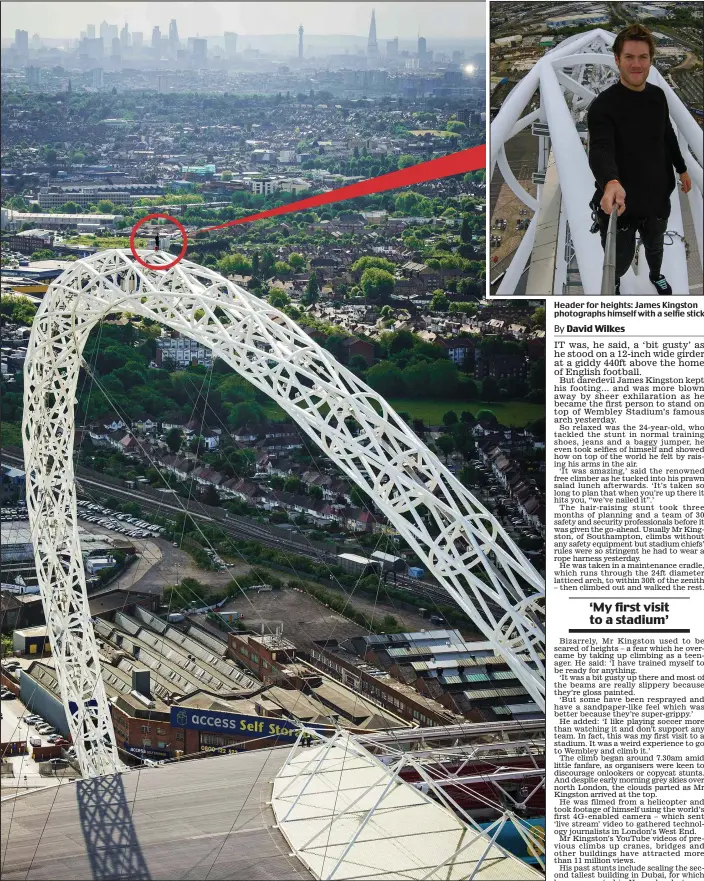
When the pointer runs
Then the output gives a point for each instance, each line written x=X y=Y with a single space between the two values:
x=88 y=487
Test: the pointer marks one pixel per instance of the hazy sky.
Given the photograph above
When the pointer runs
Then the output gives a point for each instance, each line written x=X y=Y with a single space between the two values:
x=462 y=18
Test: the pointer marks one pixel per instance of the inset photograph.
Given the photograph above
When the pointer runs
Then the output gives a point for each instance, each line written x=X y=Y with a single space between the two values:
x=595 y=149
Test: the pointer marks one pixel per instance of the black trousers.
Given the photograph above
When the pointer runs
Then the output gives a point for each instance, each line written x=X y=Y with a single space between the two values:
x=652 y=235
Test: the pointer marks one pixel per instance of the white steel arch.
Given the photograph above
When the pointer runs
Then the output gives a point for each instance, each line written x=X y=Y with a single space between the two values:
x=457 y=538
x=563 y=98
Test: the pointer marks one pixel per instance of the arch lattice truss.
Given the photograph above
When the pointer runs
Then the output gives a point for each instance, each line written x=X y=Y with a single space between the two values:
x=568 y=78
x=458 y=539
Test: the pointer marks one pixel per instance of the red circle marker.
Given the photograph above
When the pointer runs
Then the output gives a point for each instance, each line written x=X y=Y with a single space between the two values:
x=165 y=265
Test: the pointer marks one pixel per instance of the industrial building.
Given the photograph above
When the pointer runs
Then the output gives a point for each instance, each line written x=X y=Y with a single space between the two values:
x=466 y=677
x=13 y=220
x=173 y=690
x=573 y=21
x=118 y=194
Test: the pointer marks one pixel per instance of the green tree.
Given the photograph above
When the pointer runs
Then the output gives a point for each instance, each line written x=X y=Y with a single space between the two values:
x=18 y=309
x=358 y=364
x=405 y=161
x=311 y=293
x=401 y=341
x=377 y=284
x=442 y=378
x=43 y=254
x=538 y=317
x=450 y=418
x=315 y=492
x=70 y=208
x=296 y=261
x=363 y=263
x=456 y=126
x=387 y=379
x=536 y=377
x=468 y=476
x=487 y=416
x=210 y=495
x=235 y=264
x=490 y=389
x=293 y=484
x=278 y=298
x=173 y=440
x=446 y=444
x=439 y=301
x=246 y=413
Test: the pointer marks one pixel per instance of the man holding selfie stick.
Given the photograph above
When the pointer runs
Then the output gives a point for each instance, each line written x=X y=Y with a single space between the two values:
x=632 y=151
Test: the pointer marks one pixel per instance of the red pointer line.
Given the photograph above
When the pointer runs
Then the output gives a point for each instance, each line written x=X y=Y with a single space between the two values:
x=445 y=166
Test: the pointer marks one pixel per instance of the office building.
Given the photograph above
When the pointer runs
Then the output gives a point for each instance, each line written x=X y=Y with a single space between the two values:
x=137 y=40
x=98 y=80
x=300 y=43
x=124 y=37
x=22 y=42
x=230 y=44
x=372 y=46
x=392 y=48
x=174 y=42
x=199 y=48
x=33 y=76
x=90 y=31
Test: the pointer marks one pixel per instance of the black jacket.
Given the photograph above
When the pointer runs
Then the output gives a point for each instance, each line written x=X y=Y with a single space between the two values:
x=631 y=139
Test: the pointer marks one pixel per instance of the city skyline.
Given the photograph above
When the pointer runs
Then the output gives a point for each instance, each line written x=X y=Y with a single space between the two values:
x=435 y=20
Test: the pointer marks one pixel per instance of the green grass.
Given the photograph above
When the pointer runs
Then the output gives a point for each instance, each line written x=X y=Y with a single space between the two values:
x=514 y=414
x=11 y=434
x=104 y=242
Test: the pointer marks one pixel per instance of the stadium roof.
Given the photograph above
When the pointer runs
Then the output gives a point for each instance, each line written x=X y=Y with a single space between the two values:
x=348 y=816
x=207 y=817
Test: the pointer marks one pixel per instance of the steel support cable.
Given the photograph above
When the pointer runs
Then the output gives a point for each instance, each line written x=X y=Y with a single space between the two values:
x=349 y=596
x=155 y=465
x=193 y=300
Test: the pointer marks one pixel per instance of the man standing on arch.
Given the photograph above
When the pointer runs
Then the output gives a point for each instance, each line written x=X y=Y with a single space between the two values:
x=632 y=151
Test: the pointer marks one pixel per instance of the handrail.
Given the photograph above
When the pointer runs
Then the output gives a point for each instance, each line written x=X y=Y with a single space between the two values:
x=608 y=277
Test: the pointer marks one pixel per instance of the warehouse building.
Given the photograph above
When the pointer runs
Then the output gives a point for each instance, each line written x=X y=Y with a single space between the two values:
x=172 y=689
x=465 y=677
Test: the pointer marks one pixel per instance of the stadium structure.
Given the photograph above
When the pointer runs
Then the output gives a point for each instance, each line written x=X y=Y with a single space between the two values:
x=558 y=254
x=420 y=803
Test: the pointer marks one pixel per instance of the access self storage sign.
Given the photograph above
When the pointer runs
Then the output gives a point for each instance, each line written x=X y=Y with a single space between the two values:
x=215 y=722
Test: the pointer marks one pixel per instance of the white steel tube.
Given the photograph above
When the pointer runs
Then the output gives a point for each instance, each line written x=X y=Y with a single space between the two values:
x=575 y=178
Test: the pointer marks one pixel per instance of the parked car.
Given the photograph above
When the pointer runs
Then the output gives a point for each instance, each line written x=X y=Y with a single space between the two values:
x=35 y=741
x=58 y=763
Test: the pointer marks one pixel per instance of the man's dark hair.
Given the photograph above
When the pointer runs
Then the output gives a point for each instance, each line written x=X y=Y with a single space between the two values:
x=634 y=32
